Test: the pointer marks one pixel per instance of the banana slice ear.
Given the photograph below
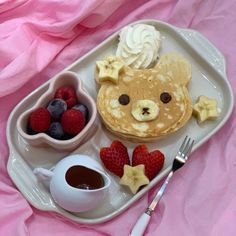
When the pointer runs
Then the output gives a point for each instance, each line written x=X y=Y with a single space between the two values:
x=108 y=70
x=176 y=67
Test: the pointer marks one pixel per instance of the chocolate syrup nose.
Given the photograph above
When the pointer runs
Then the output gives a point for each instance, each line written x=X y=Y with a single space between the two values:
x=146 y=111
x=84 y=178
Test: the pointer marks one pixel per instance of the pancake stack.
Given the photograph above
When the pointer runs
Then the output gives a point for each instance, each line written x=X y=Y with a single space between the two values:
x=145 y=104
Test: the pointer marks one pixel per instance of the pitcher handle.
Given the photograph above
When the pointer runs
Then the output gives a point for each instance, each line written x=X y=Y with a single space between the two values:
x=43 y=174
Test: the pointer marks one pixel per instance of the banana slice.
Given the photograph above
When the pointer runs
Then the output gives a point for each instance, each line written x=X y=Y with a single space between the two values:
x=144 y=110
x=205 y=109
x=109 y=69
x=134 y=177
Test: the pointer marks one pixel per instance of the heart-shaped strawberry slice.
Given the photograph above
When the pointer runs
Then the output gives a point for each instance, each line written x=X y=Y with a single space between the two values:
x=153 y=161
x=115 y=157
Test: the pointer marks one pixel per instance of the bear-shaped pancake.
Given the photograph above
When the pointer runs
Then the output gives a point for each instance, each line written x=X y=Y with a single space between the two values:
x=144 y=105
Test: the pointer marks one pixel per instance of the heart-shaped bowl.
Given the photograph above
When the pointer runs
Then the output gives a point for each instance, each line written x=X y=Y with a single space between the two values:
x=41 y=139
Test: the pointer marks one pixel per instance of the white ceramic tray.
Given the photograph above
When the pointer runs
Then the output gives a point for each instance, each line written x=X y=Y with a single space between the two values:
x=208 y=78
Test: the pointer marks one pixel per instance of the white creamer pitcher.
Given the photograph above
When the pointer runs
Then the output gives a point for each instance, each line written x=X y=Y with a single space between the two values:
x=78 y=183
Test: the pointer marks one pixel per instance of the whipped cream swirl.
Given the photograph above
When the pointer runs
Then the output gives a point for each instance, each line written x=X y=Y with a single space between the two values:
x=139 y=45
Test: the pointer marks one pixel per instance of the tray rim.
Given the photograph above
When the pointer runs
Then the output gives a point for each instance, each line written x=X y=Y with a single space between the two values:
x=140 y=194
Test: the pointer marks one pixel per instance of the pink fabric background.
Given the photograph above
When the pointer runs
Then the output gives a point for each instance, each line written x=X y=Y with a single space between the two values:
x=38 y=38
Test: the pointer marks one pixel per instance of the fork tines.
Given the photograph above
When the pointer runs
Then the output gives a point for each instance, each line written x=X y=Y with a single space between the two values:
x=183 y=153
x=186 y=147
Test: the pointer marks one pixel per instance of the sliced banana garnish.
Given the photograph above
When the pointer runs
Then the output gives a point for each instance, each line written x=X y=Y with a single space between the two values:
x=144 y=110
x=134 y=177
x=205 y=109
x=109 y=69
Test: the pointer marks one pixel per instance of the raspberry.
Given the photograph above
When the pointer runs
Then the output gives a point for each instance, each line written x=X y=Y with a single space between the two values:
x=68 y=94
x=40 y=120
x=72 y=121
x=81 y=107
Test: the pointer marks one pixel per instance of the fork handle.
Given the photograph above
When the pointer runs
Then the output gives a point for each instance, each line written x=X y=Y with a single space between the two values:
x=140 y=225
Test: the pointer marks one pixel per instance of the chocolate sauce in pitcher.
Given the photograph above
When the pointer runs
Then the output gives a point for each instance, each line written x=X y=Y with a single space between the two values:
x=84 y=178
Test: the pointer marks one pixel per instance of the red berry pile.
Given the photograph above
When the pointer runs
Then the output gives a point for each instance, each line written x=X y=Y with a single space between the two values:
x=116 y=156
x=63 y=118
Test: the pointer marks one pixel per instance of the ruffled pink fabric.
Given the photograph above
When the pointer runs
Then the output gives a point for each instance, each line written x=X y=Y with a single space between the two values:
x=39 y=38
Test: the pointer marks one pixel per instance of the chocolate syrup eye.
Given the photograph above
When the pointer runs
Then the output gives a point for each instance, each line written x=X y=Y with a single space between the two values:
x=124 y=99
x=165 y=97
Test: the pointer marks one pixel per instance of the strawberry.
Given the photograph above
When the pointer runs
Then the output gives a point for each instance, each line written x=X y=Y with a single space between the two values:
x=72 y=121
x=153 y=161
x=68 y=94
x=40 y=120
x=115 y=157
x=119 y=145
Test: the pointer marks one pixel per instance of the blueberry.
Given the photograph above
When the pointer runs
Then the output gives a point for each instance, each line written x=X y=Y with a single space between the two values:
x=56 y=107
x=30 y=130
x=81 y=107
x=67 y=136
x=55 y=130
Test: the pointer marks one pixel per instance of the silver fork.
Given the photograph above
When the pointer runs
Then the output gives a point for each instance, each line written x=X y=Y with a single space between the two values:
x=180 y=159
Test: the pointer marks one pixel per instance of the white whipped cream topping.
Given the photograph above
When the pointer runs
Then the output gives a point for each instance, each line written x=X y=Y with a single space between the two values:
x=139 y=45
